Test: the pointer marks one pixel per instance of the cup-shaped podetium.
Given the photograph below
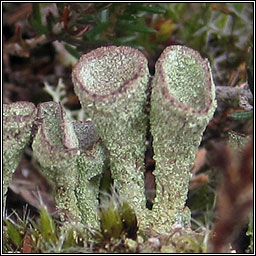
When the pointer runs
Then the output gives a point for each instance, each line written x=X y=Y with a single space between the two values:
x=18 y=121
x=182 y=104
x=69 y=163
x=56 y=151
x=111 y=83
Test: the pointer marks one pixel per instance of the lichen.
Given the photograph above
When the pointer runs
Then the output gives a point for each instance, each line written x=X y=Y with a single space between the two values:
x=68 y=168
x=111 y=84
x=91 y=165
x=57 y=161
x=182 y=103
x=18 y=120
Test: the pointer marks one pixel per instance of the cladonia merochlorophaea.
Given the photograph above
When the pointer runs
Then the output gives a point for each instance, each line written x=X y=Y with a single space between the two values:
x=112 y=84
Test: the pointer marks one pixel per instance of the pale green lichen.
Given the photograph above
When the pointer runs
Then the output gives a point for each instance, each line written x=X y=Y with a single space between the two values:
x=182 y=103
x=90 y=164
x=68 y=168
x=111 y=83
x=57 y=161
x=18 y=120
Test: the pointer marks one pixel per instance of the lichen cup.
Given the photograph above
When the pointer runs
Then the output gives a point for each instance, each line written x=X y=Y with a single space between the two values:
x=182 y=104
x=57 y=152
x=72 y=159
x=111 y=83
x=18 y=121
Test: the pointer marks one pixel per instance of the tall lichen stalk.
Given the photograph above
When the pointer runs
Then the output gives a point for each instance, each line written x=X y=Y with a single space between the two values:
x=111 y=83
x=182 y=103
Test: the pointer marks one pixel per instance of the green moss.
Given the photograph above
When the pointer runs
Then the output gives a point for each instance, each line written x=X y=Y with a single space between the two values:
x=13 y=233
x=47 y=226
x=118 y=220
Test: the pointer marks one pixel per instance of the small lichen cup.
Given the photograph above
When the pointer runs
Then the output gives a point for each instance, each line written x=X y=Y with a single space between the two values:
x=58 y=161
x=69 y=158
x=18 y=121
x=111 y=83
x=182 y=104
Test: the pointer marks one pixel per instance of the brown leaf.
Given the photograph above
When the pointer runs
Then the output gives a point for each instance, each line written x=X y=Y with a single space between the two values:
x=199 y=160
x=32 y=186
x=198 y=181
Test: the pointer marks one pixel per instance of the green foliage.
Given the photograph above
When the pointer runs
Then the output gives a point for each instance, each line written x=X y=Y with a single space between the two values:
x=87 y=26
x=129 y=219
x=117 y=218
x=111 y=223
x=222 y=32
x=137 y=28
x=246 y=115
x=13 y=233
x=70 y=240
x=150 y=8
x=47 y=226
x=46 y=235
x=72 y=51
x=36 y=20
x=249 y=233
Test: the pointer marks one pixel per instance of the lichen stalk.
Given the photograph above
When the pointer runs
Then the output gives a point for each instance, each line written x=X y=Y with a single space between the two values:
x=91 y=165
x=61 y=155
x=182 y=104
x=58 y=162
x=111 y=84
x=18 y=120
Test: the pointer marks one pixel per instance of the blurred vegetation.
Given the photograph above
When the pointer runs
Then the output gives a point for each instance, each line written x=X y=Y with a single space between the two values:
x=222 y=32
x=33 y=37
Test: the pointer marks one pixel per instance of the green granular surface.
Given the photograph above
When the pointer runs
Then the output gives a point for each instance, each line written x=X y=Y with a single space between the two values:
x=18 y=120
x=120 y=118
x=185 y=78
x=176 y=132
